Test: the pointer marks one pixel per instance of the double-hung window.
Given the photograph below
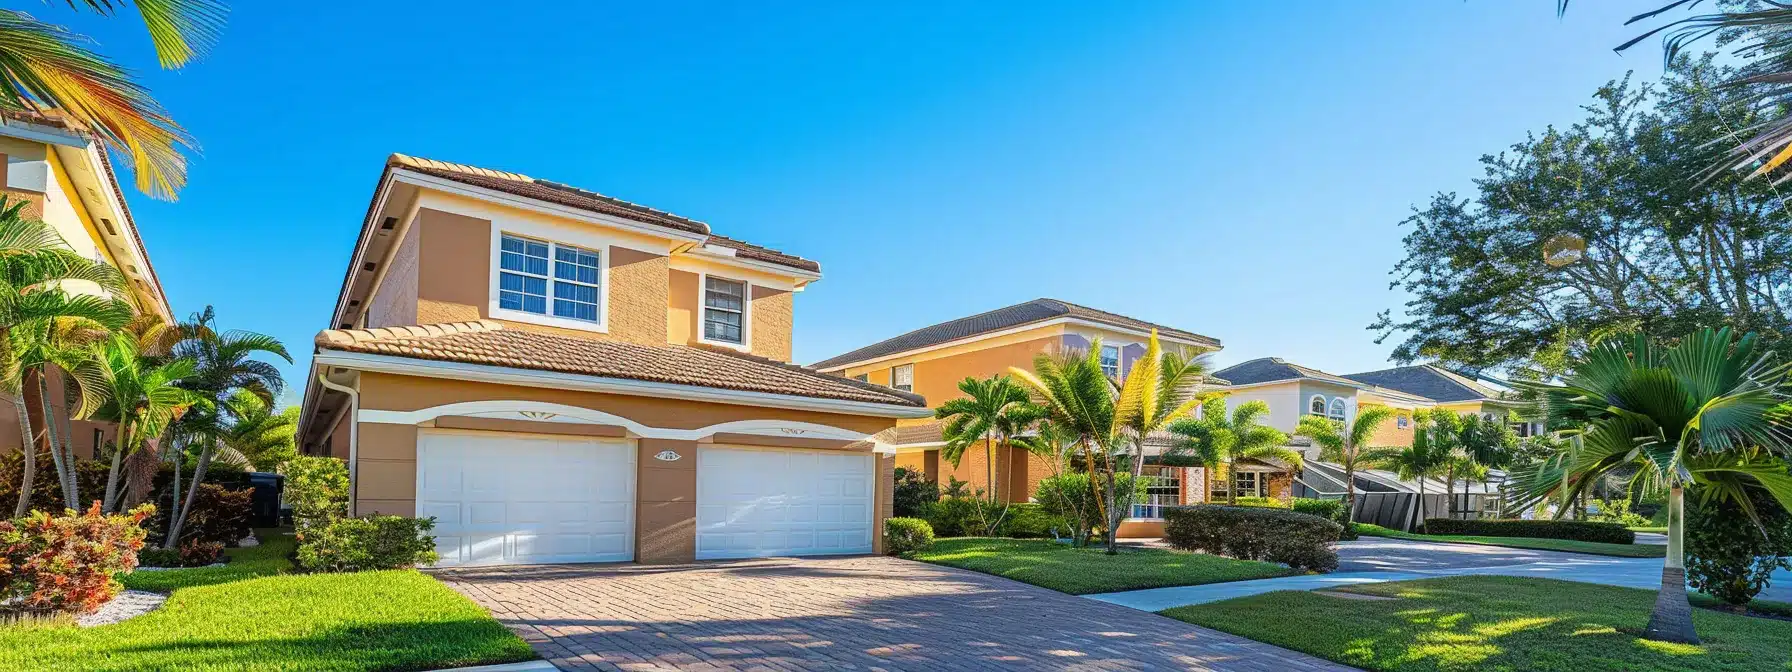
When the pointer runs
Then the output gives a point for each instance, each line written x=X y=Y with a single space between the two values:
x=724 y=310
x=549 y=279
x=903 y=377
x=1110 y=360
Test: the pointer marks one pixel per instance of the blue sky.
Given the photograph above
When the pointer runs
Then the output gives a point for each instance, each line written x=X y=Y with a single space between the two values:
x=1236 y=169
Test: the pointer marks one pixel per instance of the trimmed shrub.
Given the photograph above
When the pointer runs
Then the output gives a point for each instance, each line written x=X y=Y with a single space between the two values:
x=1298 y=540
x=371 y=542
x=1572 y=530
x=961 y=516
x=66 y=563
x=46 y=491
x=1329 y=509
x=1070 y=499
x=190 y=554
x=913 y=491
x=1030 y=521
x=1727 y=556
x=220 y=515
x=1617 y=511
x=906 y=535
x=317 y=490
x=1261 y=502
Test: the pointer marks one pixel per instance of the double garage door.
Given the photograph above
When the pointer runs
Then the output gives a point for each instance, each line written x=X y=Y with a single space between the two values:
x=521 y=499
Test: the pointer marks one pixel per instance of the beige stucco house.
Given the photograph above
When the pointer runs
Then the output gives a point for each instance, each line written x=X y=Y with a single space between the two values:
x=555 y=375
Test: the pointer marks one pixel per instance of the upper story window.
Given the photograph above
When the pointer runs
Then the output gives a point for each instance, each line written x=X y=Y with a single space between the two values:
x=863 y=377
x=549 y=279
x=1402 y=421
x=724 y=310
x=1110 y=360
x=1337 y=410
x=903 y=377
x=1316 y=405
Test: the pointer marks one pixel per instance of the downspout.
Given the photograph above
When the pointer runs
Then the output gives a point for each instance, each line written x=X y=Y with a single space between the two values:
x=354 y=431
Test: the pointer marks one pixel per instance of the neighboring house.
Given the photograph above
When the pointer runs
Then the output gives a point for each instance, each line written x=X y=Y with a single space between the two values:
x=63 y=175
x=555 y=375
x=932 y=360
x=1452 y=390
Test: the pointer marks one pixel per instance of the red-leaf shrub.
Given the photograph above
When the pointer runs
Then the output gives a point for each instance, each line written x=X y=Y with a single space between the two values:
x=219 y=515
x=66 y=563
x=190 y=554
x=46 y=490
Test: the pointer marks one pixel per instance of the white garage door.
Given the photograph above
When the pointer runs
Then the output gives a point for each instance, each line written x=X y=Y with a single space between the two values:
x=756 y=502
x=516 y=499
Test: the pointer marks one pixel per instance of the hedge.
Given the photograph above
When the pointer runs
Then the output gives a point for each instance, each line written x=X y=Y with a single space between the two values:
x=1298 y=540
x=1329 y=509
x=906 y=535
x=1573 y=530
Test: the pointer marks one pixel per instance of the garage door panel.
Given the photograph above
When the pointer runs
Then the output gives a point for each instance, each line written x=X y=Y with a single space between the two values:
x=758 y=502
x=503 y=499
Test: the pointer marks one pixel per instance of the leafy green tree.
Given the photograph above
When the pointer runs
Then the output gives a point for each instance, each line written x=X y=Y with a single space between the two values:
x=1219 y=440
x=1705 y=412
x=1078 y=399
x=1345 y=448
x=1662 y=254
x=992 y=411
x=49 y=67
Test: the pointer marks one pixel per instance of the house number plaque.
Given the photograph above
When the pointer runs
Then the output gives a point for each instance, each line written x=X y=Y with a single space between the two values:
x=667 y=456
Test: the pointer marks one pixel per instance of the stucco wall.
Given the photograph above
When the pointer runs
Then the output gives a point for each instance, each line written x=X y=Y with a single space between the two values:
x=394 y=302
x=637 y=296
x=773 y=318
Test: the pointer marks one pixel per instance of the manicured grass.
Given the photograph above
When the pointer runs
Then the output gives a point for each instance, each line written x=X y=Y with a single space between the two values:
x=1493 y=623
x=1647 y=528
x=1591 y=547
x=1082 y=571
x=254 y=615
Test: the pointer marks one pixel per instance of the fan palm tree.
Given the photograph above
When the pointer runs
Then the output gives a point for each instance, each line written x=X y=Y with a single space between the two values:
x=992 y=411
x=1346 y=448
x=1078 y=399
x=44 y=66
x=140 y=396
x=35 y=264
x=1218 y=439
x=1428 y=456
x=1708 y=411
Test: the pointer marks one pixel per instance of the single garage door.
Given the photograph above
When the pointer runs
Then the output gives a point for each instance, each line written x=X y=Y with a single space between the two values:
x=527 y=498
x=756 y=502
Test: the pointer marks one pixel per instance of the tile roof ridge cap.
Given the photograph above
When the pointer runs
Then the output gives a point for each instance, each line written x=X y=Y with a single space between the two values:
x=397 y=160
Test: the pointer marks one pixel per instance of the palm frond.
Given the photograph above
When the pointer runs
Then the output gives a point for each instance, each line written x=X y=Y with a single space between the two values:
x=180 y=29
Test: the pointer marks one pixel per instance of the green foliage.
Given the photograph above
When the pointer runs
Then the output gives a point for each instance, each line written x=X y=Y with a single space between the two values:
x=191 y=553
x=962 y=516
x=66 y=563
x=366 y=543
x=1618 y=511
x=1534 y=543
x=1068 y=498
x=1031 y=521
x=46 y=493
x=1329 y=509
x=1261 y=502
x=317 y=490
x=1298 y=540
x=1576 y=530
x=272 y=557
x=906 y=535
x=991 y=412
x=220 y=515
x=1082 y=571
x=1731 y=555
x=1218 y=438
x=258 y=437
x=913 y=492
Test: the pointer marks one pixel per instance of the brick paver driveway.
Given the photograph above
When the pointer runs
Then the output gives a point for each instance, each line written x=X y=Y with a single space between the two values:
x=865 y=613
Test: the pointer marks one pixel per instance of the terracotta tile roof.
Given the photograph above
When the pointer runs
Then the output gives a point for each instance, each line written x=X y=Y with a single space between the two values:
x=1037 y=310
x=932 y=432
x=488 y=342
x=574 y=197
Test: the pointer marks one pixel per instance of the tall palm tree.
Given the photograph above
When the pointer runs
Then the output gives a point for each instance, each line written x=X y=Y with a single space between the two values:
x=992 y=411
x=1708 y=411
x=259 y=437
x=140 y=396
x=1220 y=440
x=1346 y=448
x=44 y=66
x=1078 y=399
x=1428 y=456
x=35 y=264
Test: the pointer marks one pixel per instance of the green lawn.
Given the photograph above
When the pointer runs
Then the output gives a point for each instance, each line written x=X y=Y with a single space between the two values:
x=1493 y=623
x=1594 y=548
x=254 y=615
x=1081 y=571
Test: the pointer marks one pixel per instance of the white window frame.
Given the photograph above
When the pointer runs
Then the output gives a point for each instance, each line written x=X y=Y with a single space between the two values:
x=603 y=251
x=911 y=377
x=1323 y=405
x=1343 y=409
x=746 y=312
x=1402 y=421
x=1119 y=359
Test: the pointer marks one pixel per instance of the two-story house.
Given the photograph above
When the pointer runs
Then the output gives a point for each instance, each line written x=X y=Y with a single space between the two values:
x=555 y=375
x=63 y=176
x=932 y=360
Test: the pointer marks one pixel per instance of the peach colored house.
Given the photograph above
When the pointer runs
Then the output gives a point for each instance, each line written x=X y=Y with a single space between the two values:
x=932 y=360
x=64 y=177
x=556 y=375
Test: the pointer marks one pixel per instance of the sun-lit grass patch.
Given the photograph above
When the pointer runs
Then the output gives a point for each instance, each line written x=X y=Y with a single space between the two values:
x=1494 y=623
x=1565 y=545
x=1082 y=571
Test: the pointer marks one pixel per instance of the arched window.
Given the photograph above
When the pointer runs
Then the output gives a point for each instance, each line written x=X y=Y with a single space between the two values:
x=1317 y=405
x=1337 y=412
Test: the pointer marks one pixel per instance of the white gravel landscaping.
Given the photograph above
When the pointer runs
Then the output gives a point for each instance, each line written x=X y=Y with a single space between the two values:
x=128 y=604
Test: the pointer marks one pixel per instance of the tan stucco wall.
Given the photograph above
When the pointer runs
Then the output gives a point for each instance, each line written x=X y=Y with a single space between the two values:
x=772 y=322
x=666 y=503
x=937 y=378
x=386 y=473
x=453 y=267
x=637 y=296
x=394 y=302
x=682 y=307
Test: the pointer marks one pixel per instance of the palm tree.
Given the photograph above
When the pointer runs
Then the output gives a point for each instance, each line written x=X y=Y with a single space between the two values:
x=35 y=263
x=47 y=67
x=992 y=411
x=1428 y=456
x=1344 y=448
x=258 y=438
x=1218 y=439
x=142 y=397
x=1708 y=411
x=1078 y=399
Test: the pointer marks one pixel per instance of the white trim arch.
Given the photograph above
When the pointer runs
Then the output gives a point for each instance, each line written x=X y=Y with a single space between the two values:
x=1337 y=410
x=1321 y=406
x=542 y=411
